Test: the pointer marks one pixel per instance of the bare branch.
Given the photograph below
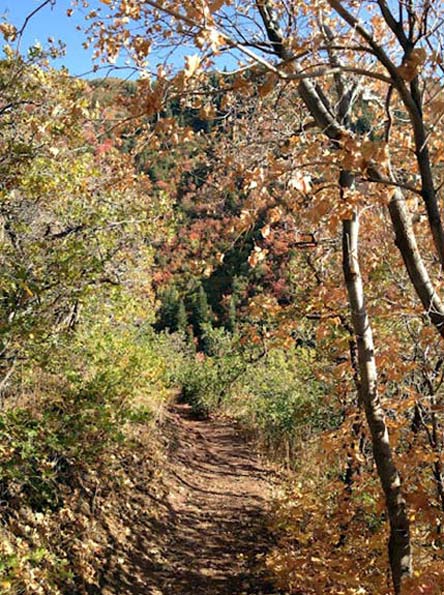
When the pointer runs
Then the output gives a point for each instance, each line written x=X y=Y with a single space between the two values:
x=28 y=18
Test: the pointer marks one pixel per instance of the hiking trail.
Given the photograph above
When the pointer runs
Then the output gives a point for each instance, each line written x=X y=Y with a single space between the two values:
x=210 y=534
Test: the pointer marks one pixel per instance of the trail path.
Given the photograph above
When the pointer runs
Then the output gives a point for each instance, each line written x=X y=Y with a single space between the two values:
x=212 y=533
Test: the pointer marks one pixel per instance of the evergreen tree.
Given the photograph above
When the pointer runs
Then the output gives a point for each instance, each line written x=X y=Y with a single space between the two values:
x=231 y=324
x=181 y=317
x=201 y=308
x=168 y=313
x=201 y=315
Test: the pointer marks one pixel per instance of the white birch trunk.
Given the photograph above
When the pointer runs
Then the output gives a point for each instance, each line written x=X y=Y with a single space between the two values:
x=399 y=543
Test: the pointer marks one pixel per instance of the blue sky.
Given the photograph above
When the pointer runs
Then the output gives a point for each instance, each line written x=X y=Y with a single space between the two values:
x=52 y=21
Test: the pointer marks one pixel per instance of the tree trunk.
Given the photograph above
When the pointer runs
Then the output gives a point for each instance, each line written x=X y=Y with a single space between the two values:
x=406 y=242
x=324 y=115
x=399 y=543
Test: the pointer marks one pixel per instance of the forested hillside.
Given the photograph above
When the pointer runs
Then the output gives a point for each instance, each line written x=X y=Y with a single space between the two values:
x=221 y=358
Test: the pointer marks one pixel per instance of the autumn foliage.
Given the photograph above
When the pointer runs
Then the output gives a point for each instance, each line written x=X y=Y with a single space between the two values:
x=257 y=225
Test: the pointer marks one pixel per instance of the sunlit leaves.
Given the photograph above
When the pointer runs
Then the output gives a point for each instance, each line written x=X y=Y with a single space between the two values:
x=8 y=31
x=281 y=162
x=192 y=64
x=257 y=256
x=409 y=68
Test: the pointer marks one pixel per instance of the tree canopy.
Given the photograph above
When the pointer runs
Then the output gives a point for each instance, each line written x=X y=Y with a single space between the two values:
x=267 y=196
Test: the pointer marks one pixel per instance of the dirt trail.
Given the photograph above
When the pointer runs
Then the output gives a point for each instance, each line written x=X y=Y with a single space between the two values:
x=211 y=533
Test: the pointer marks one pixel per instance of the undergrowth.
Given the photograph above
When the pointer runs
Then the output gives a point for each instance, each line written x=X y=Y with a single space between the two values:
x=272 y=393
x=61 y=441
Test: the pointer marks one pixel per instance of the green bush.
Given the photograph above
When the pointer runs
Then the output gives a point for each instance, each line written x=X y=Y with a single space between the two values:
x=206 y=379
x=273 y=393
x=281 y=399
x=110 y=377
x=78 y=414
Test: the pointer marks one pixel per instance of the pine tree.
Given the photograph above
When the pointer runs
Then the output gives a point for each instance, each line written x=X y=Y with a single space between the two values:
x=201 y=315
x=181 y=317
x=202 y=308
x=231 y=323
x=168 y=314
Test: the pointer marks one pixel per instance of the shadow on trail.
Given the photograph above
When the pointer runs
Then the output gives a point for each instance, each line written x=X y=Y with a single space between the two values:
x=211 y=532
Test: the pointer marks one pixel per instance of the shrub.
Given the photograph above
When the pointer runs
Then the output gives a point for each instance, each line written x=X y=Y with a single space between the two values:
x=274 y=393
x=206 y=379
x=279 y=397
x=82 y=408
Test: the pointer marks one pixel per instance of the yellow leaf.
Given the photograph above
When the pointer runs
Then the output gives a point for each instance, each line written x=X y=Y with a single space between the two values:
x=192 y=64
x=207 y=112
x=215 y=39
x=274 y=215
x=258 y=255
x=9 y=31
x=27 y=289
